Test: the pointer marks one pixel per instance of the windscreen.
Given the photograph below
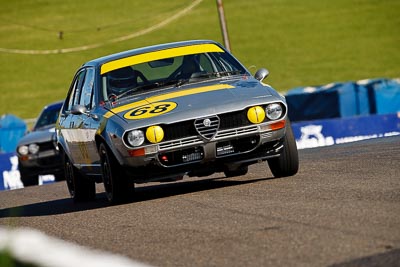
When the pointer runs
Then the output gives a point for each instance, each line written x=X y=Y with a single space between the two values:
x=167 y=72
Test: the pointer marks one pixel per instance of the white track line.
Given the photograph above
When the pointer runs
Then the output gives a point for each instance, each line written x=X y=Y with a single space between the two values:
x=115 y=40
x=32 y=246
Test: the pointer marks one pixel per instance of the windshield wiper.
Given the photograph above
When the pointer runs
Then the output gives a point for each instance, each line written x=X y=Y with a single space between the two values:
x=138 y=88
x=218 y=74
x=181 y=82
x=176 y=83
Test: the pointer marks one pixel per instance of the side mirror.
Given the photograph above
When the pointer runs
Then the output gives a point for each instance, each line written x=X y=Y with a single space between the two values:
x=78 y=110
x=261 y=74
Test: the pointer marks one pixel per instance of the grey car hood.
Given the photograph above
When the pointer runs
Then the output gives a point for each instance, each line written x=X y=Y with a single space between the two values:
x=37 y=137
x=200 y=100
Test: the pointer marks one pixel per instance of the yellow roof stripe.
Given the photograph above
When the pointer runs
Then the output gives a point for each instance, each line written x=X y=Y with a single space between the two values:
x=168 y=96
x=167 y=53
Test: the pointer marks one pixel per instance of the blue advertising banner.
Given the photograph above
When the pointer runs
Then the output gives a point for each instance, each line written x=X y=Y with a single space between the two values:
x=9 y=173
x=10 y=177
x=328 y=132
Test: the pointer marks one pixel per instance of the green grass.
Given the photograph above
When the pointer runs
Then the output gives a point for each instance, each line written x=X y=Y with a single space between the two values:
x=8 y=260
x=309 y=42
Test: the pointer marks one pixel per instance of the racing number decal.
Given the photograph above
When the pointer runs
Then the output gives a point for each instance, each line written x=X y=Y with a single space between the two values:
x=150 y=110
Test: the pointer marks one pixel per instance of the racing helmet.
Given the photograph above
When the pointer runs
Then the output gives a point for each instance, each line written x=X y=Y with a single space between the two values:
x=121 y=80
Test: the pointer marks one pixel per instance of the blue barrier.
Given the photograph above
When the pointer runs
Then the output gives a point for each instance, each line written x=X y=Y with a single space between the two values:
x=328 y=132
x=12 y=129
x=342 y=100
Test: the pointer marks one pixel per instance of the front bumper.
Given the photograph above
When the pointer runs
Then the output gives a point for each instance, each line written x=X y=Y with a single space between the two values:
x=45 y=162
x=193 y=155
x=155 y=171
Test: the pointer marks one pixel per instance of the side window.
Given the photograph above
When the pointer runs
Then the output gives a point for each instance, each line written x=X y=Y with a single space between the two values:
x=75 y=92
x=87 y=89
x=78 y=87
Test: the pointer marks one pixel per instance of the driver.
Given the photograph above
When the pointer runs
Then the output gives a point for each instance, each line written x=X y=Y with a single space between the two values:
x=121 y=80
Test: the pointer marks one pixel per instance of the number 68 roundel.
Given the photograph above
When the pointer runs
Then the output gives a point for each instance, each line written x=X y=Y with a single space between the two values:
x=151 y=110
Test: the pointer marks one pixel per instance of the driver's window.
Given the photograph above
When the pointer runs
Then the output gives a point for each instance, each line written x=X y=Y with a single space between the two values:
x=78 y=87
x=87 y=89
x=75 y=92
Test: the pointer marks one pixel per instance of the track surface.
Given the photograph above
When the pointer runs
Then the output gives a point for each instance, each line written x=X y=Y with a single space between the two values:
x=341 y=209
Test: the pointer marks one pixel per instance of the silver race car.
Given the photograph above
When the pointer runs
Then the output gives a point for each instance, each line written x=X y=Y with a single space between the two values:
x=159 y=113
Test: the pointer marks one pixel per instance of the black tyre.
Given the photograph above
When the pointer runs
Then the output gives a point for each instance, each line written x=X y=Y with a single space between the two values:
x=59 y=176
x=287 y=164
x=26 y=178
x=118 y=187
x=80 y=188
x=238 y=172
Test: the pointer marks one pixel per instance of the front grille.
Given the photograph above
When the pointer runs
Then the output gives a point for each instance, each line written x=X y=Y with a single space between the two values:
x=178 y=130
x=236 y=132
x=193 y=132
x=185 y=129
x=46 y=146
x=188 y=141
x=207 y=127
x=233 y=120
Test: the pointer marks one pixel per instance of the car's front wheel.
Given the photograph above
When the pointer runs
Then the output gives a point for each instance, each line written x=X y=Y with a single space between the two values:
x=118 y=187
x=26 y=178
x=80 y=188
x=287 y=164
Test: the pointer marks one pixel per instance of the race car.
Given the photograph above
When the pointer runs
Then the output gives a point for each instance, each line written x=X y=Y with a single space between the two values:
x=37 y=151
x=163 y=112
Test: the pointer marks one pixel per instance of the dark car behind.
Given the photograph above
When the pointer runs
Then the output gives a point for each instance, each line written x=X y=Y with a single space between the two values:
x=37 y=151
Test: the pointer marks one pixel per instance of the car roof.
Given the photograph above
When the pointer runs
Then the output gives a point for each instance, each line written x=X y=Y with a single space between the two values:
x=52 y=106
x=100 y=61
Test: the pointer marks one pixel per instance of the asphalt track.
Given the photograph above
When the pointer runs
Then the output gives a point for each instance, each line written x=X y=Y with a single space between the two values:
x=341 y=209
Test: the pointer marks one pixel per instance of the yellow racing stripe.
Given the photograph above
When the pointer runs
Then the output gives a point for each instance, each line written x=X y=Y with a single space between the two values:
x=168 y=96
x=167 y=53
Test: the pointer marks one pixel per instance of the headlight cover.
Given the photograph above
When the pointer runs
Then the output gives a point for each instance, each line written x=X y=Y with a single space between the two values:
x=154 y=134
x=256 y=114
x=23 y=150
x=135 y=137
x=273 y=111
x=33 y=148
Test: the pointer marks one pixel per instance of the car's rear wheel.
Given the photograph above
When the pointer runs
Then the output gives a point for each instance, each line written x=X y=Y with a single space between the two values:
x=287 y=164
x=242 y=170
x=80 y=188
x=118 y=187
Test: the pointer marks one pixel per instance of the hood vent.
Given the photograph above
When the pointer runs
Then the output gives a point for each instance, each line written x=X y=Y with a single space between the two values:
x=207 y=127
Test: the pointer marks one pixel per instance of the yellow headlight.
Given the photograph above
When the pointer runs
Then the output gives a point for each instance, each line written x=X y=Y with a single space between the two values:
x=155 y=134
x=256 y=114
